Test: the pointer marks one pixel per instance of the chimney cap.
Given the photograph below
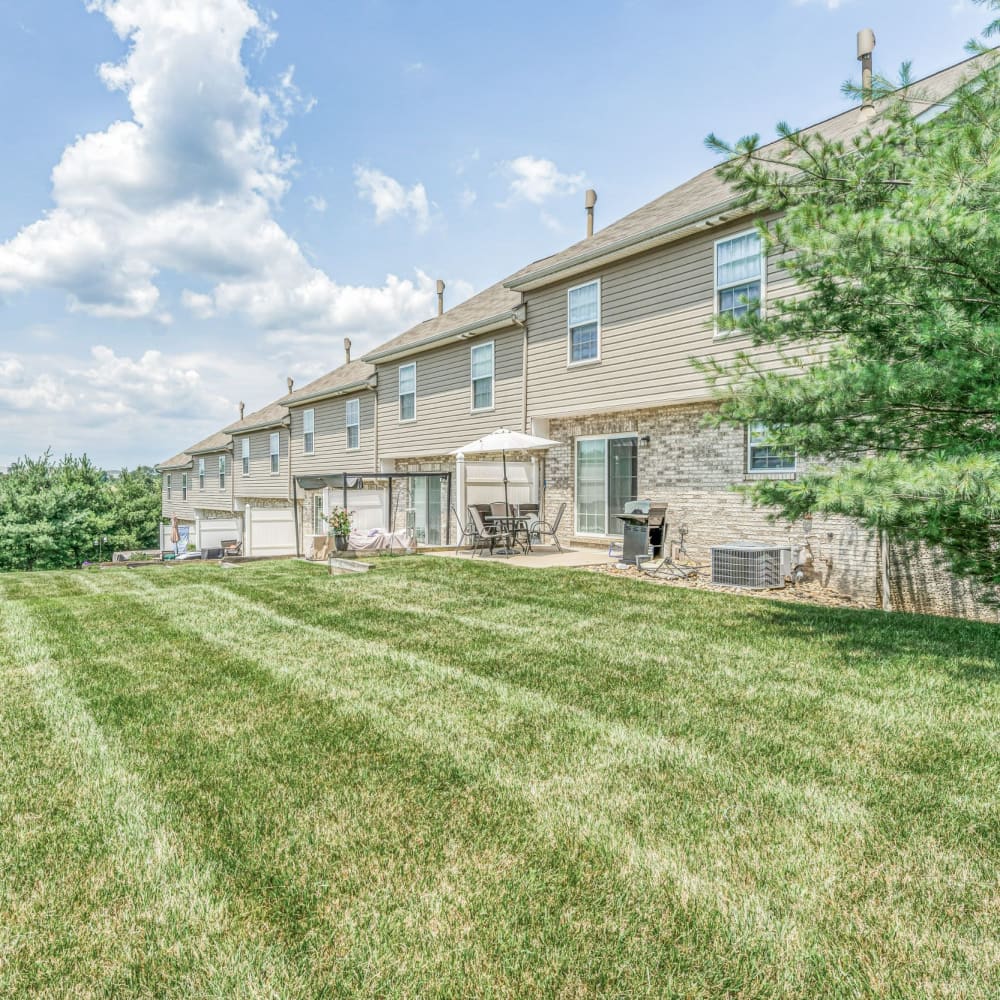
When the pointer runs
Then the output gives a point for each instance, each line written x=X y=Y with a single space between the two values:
x=440 y=286
x=866 y=42
x=590 y=198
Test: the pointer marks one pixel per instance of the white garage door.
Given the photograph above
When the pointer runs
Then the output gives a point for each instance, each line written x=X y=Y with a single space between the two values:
x=272 y=531
x=218 y=530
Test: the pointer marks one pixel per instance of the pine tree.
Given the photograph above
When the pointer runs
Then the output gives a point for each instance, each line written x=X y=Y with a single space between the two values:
x=896 y=238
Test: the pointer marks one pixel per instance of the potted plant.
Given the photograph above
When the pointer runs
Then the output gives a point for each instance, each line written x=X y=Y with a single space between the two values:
x=339 y=521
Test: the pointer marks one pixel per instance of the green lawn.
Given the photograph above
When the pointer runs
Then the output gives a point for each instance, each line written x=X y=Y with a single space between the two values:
x=446 y=779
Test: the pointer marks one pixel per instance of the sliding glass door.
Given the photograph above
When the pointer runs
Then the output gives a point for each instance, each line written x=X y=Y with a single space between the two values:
x=606 y=479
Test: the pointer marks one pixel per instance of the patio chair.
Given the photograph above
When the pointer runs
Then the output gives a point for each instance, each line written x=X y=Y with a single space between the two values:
x=466 y=528
x=484 y=534
x=548 y=529
x=499 y=509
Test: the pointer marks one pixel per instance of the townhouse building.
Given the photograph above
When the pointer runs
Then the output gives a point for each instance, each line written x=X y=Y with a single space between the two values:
x=591 y=347
x=197 y=489
x=262 y=481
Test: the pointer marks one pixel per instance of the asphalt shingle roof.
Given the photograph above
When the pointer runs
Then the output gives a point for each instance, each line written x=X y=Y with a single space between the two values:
x=707 y=190
x=492 y=302
x=331 y=382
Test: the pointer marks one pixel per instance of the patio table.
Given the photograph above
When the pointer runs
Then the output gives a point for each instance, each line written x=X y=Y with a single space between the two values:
x=513 y=527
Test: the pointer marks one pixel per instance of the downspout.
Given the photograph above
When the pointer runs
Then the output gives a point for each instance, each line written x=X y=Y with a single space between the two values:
x=519 y=316
x=884 y=566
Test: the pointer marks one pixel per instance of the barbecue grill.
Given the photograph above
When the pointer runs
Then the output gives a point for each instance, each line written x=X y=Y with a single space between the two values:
x=642 y=529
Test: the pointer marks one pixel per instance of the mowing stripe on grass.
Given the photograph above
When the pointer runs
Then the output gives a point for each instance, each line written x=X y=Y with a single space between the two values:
x=162 y=910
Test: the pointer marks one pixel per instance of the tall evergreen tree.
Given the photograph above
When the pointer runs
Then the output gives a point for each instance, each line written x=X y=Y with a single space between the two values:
x=896 y=238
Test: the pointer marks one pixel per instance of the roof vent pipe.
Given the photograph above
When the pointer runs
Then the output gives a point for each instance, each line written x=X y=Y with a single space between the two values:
x=440 y=291
x=347 y=350
x=589 y=201
x=243 y=407
x=866 y=45
x=291 y=383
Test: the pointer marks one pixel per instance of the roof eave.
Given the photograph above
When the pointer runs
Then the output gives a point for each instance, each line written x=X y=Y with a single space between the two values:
x=341 y=390
x=630 y=245
x=278 y=422
x=489 y=325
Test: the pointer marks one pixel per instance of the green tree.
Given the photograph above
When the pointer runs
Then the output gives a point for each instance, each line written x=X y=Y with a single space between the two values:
x=896 y=237
x=57 y=515
x=134 y=504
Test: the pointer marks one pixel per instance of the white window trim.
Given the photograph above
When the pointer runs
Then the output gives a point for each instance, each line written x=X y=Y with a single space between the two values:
x=201 y=474
x=271 y=453
x=222 y=472
x=169 y=487
x=570 y=363
x=598 y=437
x=493 y=378
x=245 y=456
x=184 y=486
x=716 y=287
x=399 y=395
x=348 y=425
x=766 y=472
x=312 y=450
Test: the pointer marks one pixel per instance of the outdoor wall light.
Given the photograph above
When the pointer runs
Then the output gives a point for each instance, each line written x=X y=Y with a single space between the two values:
x=644 y=440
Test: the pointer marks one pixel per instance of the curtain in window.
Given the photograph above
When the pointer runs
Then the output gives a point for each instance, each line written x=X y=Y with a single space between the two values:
x=738 y=259
x=591 y=499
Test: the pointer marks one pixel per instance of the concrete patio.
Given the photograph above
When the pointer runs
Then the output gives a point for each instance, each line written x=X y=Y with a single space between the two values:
x=543 y=557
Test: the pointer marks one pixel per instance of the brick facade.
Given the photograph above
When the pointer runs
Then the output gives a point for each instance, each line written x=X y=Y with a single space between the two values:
x=694 y=467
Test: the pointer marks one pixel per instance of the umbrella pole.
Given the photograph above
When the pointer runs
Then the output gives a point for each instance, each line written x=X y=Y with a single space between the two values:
x=506 y=498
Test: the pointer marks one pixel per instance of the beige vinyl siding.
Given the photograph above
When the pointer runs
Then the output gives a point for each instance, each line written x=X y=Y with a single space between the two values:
x=445 y=418
x=184 y=509
x=330 y=452
x=211 y=497
x=261 y=482
x=656 y=312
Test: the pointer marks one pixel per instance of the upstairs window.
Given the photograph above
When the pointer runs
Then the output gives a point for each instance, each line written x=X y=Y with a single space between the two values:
x=482 y=376
x=246 y=456
x=201 y=473
x=584 y=307
x=274 y=447
x=353 y=420
x=308 y=431
x=765 y=457
x=408 y=392
x=222 y=472
x=184 y=486
x=739 y=273
x=169 y=491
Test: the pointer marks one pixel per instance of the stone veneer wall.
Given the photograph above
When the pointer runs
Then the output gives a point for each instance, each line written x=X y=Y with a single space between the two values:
x=693 y=468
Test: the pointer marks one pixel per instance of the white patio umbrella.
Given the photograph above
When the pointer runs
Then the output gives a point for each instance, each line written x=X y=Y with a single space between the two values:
x=504 y=440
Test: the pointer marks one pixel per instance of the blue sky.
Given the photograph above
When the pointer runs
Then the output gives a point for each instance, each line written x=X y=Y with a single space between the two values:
x=202 y=197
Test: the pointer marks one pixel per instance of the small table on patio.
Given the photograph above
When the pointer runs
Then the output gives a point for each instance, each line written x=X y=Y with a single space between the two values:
x=513 y=526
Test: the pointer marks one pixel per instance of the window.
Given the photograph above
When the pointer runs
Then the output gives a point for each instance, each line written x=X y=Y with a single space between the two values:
x=765 y=457
x=353 y=418
x=201 y=473
x=246 y=456
x=275 y=449
x=606 y=480
x=308 y=431
x=482 y=376
x=319 y=518
x=184 y=486
x=738 y=275
x=408 y=392
x=168 y=487
x=584 y=322
x=222 y=472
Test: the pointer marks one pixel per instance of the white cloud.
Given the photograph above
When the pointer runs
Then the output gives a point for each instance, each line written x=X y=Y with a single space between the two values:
x=123 y=409
x=467 y=197
x=189 y=184
x=829 y=4
x=316 y=203
x=390 y=198
x=551 y=222
x=536 y=180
